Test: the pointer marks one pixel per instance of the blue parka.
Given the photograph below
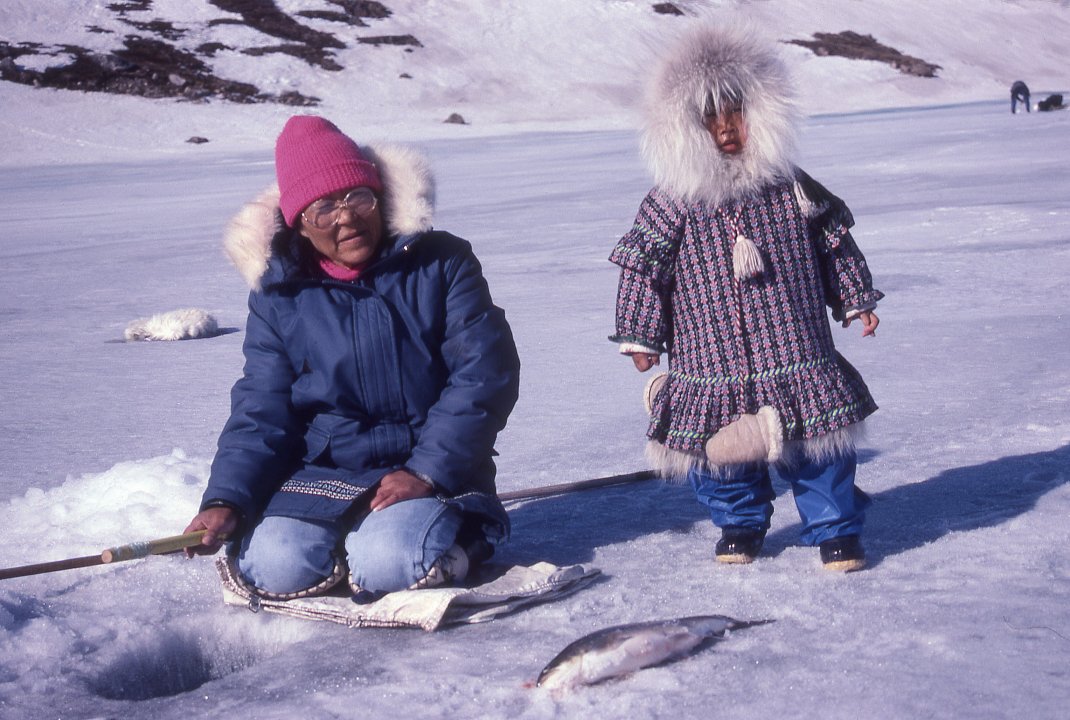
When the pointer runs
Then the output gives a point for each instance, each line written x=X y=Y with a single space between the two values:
x=410 y=365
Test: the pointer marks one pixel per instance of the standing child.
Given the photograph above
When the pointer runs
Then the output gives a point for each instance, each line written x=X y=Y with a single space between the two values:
x=729 y=266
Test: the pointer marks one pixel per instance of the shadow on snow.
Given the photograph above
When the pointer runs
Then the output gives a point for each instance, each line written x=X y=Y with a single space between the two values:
x=568 y=529
x=960 y=499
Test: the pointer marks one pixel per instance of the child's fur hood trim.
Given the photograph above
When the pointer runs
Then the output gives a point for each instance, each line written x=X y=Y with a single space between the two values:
x=727 y=58
x=408 y=205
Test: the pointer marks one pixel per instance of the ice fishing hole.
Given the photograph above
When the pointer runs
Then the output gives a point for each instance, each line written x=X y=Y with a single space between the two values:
x=172 y=661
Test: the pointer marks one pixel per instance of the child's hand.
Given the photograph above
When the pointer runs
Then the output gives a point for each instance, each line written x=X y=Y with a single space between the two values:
x=645 y=361
x=869 y=319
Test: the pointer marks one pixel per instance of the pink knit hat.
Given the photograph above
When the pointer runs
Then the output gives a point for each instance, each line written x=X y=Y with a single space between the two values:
x=314 y=158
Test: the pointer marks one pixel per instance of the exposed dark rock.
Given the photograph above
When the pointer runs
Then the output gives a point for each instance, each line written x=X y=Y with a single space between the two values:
x=210 y=49
x=311 y=55
x=162 y=28
x=264 y=16
x=150 y=64
x=352 y=12
x=363 y=8
x=390 y=40
x=865 y=47
x=332 y=17
x=145 y=67
x=295 y=98
x=455 y=119
x=197 y=140
x=667 y=8
x=132 y=6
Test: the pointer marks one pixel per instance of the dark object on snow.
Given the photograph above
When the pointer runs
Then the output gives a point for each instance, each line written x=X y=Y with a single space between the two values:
x=667 y=9
x=391 y=40
x=865 y=47
x=197 y=140
x=455 y=119
x=1052 y=102
x=1019 y=93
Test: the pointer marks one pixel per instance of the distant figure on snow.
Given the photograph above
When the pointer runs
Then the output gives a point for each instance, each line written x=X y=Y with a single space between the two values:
x=729 y=267
x=378 y=373
x=1052 y=102
x=1019 y=93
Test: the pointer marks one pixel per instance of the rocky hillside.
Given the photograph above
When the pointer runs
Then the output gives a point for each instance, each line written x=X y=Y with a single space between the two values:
x=155 y=56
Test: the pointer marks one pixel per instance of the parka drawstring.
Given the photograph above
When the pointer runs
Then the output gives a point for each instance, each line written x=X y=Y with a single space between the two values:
x=733 y=223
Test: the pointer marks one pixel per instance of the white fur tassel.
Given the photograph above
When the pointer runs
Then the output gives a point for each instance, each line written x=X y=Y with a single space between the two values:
x=746 y=259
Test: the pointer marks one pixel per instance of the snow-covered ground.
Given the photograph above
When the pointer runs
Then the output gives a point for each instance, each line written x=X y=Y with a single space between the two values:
x=963 y=211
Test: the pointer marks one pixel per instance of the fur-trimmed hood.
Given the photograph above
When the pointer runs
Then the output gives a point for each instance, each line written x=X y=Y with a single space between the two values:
x=408 y=205
x=727 y=59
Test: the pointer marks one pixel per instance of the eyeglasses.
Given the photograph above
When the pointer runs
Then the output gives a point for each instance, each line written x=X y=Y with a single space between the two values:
x=324 y=214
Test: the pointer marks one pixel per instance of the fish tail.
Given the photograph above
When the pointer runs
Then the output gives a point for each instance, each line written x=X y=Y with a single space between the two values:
x=740 y=624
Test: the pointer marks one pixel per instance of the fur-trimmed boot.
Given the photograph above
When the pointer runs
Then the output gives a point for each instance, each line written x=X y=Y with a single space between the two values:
x=750 y=438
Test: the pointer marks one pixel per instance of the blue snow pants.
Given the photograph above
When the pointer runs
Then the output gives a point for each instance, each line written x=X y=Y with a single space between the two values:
x=828 y=502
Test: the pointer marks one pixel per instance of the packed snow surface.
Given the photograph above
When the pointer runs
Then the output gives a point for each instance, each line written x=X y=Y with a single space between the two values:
x=962 y=209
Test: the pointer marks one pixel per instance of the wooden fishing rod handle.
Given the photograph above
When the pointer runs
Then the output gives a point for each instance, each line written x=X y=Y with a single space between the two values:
x=133 y=551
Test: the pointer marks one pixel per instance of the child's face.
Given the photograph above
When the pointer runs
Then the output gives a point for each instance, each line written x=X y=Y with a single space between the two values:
x=728 y=129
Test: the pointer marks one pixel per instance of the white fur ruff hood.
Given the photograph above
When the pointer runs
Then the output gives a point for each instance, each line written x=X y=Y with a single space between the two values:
x=725 y=59
x=408 y=207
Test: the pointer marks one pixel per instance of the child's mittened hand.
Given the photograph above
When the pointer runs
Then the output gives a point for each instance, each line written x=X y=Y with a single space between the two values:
x=645 y=361
x=869 y=319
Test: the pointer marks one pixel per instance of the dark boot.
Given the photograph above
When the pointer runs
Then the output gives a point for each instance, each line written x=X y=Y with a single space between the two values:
x=843 y=554
x=739 y=545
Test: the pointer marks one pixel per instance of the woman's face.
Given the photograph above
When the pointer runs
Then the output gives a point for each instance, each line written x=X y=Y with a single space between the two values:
x=728 y=128
x=350 y=235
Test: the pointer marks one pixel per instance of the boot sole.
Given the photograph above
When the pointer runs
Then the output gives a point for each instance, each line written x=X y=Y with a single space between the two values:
x=845 y=566
x=735 y=559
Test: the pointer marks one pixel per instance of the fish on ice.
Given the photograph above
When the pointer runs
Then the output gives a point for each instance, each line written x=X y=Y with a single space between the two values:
x=622 y=649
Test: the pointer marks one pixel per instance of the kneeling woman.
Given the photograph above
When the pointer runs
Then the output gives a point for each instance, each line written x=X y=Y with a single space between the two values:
x=378 y=373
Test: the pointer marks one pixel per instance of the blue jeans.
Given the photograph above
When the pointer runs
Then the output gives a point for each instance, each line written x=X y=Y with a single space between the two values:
x=825 y=495
x=388 y=550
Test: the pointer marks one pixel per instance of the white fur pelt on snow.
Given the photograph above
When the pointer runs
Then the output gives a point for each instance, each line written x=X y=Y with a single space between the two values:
x=184 y=324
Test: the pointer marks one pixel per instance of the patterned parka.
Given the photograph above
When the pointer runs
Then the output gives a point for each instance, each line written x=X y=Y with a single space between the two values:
x=736 y=341
x=411 y=365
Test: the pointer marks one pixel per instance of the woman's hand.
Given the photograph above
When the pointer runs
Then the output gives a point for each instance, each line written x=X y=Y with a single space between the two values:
x=397 y=486
x=645 y=361
x=218 y=523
